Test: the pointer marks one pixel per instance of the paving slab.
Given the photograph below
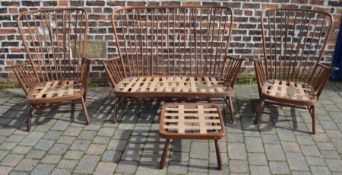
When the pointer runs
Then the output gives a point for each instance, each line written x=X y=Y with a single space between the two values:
x=279 y=145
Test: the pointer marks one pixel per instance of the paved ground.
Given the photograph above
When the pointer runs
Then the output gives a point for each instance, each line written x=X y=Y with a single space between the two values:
x=281 y=144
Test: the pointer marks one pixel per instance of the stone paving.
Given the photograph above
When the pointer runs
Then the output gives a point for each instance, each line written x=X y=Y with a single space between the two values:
x=57 y=145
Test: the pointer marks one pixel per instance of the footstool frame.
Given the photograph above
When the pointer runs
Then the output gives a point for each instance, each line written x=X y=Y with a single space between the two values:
x=191 y=121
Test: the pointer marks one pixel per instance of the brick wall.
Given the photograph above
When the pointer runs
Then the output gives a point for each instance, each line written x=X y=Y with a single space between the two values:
x=246 y=39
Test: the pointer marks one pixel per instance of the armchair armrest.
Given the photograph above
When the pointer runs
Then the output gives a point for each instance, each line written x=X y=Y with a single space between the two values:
x=26 y=76
x=320 y=76
x=231 y=68
x=260 y=72
x=114 y=69
x=326 y=66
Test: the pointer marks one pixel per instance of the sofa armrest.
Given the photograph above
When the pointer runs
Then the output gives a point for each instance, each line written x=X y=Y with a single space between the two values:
x=231 y=69
x=114 y=69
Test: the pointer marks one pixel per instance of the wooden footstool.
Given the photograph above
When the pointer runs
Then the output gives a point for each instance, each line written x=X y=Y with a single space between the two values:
x=191 y=121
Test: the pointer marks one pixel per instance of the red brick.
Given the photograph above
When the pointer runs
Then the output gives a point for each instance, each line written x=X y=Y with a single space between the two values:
x=7 y=31
x=300 y=1
x=191 y=3
x=248 y=12
x=9 y=62
x=135 y=3
x=116 y=3
x=270 y=6
x=13 y=10
x=322 y=9
x=98 y=10
x=317 y=2
x=62 y=2
x=15 y=50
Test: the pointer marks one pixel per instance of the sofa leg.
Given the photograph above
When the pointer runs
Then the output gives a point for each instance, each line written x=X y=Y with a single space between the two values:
x=313 y=117
x=229 y=103
x=259 y=111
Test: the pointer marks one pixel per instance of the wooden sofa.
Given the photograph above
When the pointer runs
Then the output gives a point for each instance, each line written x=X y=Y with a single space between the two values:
x=173 y=52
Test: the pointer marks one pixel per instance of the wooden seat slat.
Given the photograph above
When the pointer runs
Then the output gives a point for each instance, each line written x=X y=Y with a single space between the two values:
x=192 y=120
x=201 y=120
x=153 y=84
x=70 y=89
x=43 y=90
x=190 y=109
x=274 y=87
x=130 y=84
x=192 y=84
x=283 y=88
x=137 y=84
x=302 y=92
x=181 y=119
x=61 y=92
x=192 y=114
x=50 y=90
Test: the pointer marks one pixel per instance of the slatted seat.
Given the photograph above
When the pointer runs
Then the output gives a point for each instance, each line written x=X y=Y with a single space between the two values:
x=171 y=85
x=296 y=91
x=56 y=89
x=191 y=121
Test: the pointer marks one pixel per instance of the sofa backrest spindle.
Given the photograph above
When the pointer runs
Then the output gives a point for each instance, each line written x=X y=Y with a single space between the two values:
x=176 y=41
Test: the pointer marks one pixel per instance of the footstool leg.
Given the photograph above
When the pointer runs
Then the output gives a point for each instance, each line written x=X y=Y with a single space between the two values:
x=218 y=155
x=163 y=158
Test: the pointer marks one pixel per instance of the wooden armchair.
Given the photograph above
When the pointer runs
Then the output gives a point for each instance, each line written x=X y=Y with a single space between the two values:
x=178 y=51
x=291 y=72
x=55 y=41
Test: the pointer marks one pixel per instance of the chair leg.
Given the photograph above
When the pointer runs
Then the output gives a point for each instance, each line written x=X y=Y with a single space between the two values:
x=72 y=115
x=259 y=111
x=313 y=117
x=29 y=116
x=117 y=102
x=229 y=103
x=85 y=111
x=163 y=158
x=85 y=95
x=115 y=110
x=218 y=155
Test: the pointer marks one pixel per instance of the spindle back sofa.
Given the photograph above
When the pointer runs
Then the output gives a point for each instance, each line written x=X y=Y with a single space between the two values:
x=173 y=52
